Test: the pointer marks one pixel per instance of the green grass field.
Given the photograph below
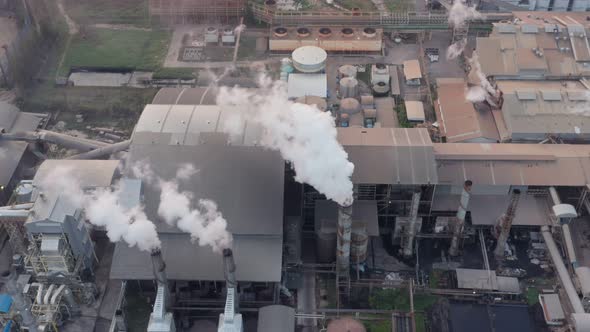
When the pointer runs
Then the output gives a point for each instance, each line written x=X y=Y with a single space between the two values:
x=364 y=5
x=117 y=49
x=400 y=5
x=132 y=12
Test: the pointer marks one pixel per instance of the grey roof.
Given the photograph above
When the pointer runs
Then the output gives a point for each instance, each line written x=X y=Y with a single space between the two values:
x=365 y=212
x=405 y=156
x=185 y=96
x=274 y=318
x=486 y=209
x=88 y=173
x=258 y=258
x=486 y=280
x=552 y=307
x=11 y=153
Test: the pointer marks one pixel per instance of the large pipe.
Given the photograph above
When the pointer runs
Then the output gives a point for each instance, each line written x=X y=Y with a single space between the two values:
x=565 y=229
x=17 y=215
x=24 y=206
x=460 y=218
x=412 y=224
x=69 y=142
x=48 y=294
x=229 y=268
x=564 y=276
x=343 y=238
x=505 y=224
x=103 y=151
x=159 y=267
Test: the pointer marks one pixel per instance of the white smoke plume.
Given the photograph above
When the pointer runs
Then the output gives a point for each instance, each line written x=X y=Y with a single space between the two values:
x=103 y=209
x=304 y=135
x=460 y=13
x=475 y=94
x=186 y=171
x=205 y=224
x=456 y=49
x=491 y=92
x=240 y=28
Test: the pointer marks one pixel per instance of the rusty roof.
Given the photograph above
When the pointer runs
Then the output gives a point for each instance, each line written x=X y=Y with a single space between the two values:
x=459 y=120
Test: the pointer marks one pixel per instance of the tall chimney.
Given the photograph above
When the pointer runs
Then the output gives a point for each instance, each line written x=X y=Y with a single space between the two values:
x=343 y=238
x=159 y=268
x=504 y=224
x=460 y=218
x=229 y=268
x=412 y=227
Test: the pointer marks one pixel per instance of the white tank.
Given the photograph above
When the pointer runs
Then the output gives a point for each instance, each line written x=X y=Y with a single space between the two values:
x=350 y=106
x=583 y=274
x=581 y=322
x=309 y=59
x=347 y=71
x=349 y=87
x=381 y=88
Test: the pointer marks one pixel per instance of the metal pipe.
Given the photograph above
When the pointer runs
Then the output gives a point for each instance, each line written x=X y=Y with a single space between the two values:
x=460 y=218
x=48 y=294
x=56 y=294
x=229 y=269
x=69 y=142
x=505 y=224
x=39 y=298
x=343 y=238
x=564 y=276
x=103 y=151
x=412 y=223
x=14 y=214
x=565 y=230
x=24 y=206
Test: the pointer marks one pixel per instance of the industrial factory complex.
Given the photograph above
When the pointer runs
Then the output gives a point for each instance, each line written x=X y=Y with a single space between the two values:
x=328 y=167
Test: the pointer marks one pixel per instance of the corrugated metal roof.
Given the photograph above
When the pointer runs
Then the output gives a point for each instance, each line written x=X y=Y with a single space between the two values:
x=526 y=95
x=578 y=95
x=274 y=318
x=529 y=28
x=505 y=28
x=412 y=69
x=552 y=307
x=415 y=110
x=476 y=279
x=394 y=79
x=89 y=173
x=258 y=258
x=300 y=85
x=405 y=155
x=551 y=95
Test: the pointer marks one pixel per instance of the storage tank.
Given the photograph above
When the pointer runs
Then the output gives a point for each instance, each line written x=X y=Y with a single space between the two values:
x=347 y=71
x=211 y=35
x=367 y=101
x=309 y=59
x=350 y=106
x=346 y=324
x=349 y=87
x=379 y=73
x=319 y=102
x=381 y=88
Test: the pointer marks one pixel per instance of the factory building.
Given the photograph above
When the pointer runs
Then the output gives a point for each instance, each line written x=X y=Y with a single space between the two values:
x=14 y=155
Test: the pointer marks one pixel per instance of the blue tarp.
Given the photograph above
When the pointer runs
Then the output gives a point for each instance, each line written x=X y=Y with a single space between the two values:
x=5 y=303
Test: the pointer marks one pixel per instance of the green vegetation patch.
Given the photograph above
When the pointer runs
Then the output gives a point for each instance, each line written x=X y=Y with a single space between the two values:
x=132 y=12
x=172 y=73
x=116 y=49
x=399 y=299
x=399 y=5
x=402 y=116
x=378 y=326
x=364 y=5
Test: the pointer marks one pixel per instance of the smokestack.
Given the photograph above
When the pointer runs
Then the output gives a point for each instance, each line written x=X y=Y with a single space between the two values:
x=504 y=224
x=229 y=268
x=412 y=223
x=159 y=268
x=460 y=218
x=343 y=240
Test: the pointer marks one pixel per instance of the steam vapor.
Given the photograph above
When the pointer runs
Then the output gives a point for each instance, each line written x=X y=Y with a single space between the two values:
x=456 y=49
x=460 y=13
x=304 y=135
x=475 y=94
x=103 y=209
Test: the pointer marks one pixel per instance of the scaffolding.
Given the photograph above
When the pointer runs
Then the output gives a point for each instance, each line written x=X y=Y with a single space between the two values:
x=43 y=264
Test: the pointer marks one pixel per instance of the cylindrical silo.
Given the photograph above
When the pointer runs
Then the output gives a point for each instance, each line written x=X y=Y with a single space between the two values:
x=326 y=245
x=349 y=87
x=347 y=71
x=350 y=106
x=381 y=88
x=359 y=241
x=319 y=102
x=367 y=101
x=309 y=59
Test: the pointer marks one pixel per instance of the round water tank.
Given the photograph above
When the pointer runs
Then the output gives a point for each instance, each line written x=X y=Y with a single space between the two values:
x=309 y=59
x=347 y=71
x=349 y=87
x=350 y=106
x=227 y=31
x=319 y=102
x=280 y=32
x=346 y=324
x=369 y=32
x=381 y=88
x=270 y=3
x=325 y=32
x=303 y=32
x=347 y=32
x=211 y=30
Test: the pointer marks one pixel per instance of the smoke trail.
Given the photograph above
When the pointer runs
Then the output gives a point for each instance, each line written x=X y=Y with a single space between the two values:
x=304 y=135
x=204 y=224
x=475 y=94
x=456 y=49
x=240 y=28
x=186 y=171
x=485 y=85
x=460 y=13
x=103 y=209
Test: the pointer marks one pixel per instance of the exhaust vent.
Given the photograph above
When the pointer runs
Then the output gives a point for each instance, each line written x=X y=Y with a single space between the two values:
x=369 y=32
x=280 y=32
x=325 y=32
x=347 y=32
x=270 y=3
x=303 y=32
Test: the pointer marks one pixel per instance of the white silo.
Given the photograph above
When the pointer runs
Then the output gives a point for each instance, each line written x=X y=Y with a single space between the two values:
x=349 y=87
x=309 y=59
x=347 y=71
x=350 y=106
